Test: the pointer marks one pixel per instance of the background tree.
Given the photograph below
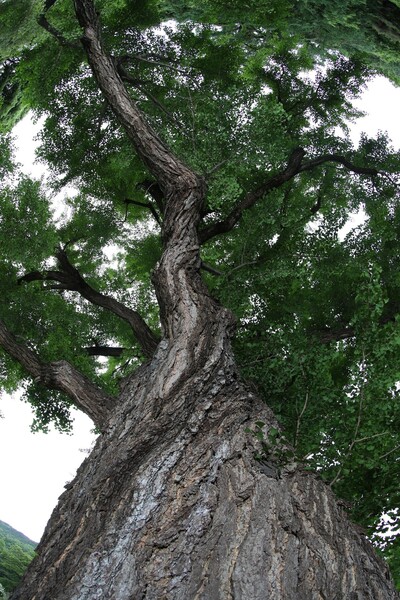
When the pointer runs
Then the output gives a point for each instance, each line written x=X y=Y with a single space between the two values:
x=16 y=552
x=190 y=470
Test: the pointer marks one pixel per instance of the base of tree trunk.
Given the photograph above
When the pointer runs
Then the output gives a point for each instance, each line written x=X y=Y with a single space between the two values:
x=172 y=504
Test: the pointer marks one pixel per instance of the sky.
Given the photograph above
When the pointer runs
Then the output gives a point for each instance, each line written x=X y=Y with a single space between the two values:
x=35 y=467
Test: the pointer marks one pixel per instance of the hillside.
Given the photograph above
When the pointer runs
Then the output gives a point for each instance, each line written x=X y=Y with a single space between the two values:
x=16 y=552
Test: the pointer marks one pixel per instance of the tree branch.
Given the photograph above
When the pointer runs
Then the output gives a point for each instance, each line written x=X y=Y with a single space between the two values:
x=167 y=168
x=69 y=278
x=320 y=160
x=210 y=269
x=251 y=198
x=148 y=205
x=293 y=168
x=43 y=22
x=104 y=351
x=62 y=376
x=331 y=335
x=343 y=333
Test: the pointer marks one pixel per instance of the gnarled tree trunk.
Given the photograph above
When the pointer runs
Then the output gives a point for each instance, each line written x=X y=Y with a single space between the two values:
x=172 y=503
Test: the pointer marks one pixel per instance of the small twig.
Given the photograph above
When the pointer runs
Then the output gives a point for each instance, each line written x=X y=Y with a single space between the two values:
x=156 y=63
x=370 y=437
x=138 y=84
x=148 y=205
x=296 y=436
x=43 y=22
x=216 y=168
x=248 y=263
x=193 y=118
x=390 y=452
x=392 y=181
x=210 y=269
x=121 y=368
x=160 y=105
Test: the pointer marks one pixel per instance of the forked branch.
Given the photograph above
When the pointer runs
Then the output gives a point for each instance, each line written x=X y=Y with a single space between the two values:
x=294 y=166
x=69 y=278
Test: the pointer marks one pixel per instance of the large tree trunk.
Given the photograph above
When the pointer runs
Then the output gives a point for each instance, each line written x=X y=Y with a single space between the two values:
x=172 y=503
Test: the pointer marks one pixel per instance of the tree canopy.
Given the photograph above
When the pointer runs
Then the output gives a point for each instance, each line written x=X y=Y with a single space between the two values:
x=256 y=98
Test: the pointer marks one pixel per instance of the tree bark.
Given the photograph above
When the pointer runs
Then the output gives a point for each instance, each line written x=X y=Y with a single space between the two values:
x=172 y=504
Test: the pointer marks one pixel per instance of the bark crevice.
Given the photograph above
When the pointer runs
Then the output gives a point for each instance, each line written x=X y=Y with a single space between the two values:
x=190 y=514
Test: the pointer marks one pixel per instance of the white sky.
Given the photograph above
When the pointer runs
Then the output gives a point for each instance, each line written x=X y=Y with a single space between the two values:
x=35 y=467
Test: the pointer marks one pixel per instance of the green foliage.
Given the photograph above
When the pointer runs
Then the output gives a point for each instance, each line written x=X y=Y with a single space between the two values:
x=357 y=28
x=391 y=552
x=365 y=28
x=16 y=552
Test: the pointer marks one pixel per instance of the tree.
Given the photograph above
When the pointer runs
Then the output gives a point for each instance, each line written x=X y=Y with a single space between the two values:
x=3 y=594
x=16 y=552
x=208 y=154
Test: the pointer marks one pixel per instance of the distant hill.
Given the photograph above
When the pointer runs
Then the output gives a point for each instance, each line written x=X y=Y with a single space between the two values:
x=16 y=552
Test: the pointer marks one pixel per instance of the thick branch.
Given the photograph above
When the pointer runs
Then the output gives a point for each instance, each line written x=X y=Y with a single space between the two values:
x=293 y=168
x=162 y=163
x=61 y=376
x=69 y=278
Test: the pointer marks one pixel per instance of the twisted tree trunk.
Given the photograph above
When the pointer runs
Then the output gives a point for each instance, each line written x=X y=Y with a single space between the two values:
x=172 y=503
